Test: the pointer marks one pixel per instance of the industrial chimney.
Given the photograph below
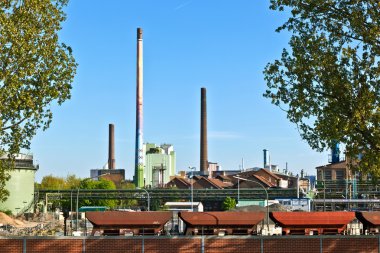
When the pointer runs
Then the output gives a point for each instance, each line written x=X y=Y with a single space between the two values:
x=203 y=158
x=139 y=154
x=335 y=152
x=111 y=147
x=265 y=151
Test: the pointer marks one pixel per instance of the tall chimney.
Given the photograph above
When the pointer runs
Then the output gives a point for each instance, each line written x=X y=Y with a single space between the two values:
x=139 y=154
x=265 y=158
x=111 y=147
x=335 y=152
x=203 y=158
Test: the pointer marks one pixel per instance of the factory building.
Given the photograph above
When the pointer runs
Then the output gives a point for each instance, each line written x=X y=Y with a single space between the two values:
x=337 y=169
x=20 y=185
x=109 y=171
x=160 y=164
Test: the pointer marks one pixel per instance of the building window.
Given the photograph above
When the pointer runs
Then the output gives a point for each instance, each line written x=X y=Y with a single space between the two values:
x=339 y=175
x=327 y=174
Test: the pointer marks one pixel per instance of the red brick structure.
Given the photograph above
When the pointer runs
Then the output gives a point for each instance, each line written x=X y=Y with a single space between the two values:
x=207 y=244
x=11 y=246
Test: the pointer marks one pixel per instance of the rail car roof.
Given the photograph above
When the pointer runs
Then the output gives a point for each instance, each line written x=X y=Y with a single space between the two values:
x=120 y=218
x=312 y=218
x=222 y=218
x=370 y=218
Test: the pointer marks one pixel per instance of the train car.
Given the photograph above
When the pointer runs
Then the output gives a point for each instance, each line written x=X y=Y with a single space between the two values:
x=221 y=223
x=123 y=223
x=370 y=221
x=312 y=223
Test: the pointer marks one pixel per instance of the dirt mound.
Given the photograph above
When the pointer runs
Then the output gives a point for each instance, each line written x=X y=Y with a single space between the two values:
x=19 y=222
x=6 y=220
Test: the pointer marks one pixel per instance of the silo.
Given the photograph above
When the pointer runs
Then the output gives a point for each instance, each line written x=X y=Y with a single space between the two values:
x=20 y=185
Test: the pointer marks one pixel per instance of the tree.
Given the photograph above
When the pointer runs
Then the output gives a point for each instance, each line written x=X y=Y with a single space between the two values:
x=72 y=182
x=127 y=202
x=89 y=184
x=228 y=204
x=329 y=81
x=51 y=182
x=36 y=70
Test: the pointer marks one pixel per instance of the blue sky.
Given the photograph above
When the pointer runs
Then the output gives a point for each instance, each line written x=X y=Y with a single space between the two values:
x=222 y=45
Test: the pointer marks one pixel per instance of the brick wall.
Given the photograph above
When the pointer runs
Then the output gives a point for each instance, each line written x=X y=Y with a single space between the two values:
x=11 y=246
x=294 y=245
x=212 y=244
x=168 y=245
x=54 y=246
x=351 y=245
x=118 y=245
x=232 y=245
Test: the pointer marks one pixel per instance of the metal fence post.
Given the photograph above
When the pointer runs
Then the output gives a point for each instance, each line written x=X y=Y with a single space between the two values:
x=261 y=245
x=24 y=245
x=321 y=245
x=84 y=246
x=142 y=246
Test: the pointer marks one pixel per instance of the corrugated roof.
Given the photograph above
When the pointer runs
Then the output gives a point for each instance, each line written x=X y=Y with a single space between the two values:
x=338 y=165
x=221 y=218
x=179 y=180
x=264 y=181
x=219 y=183
x=370 y=218
x=112 y=218
x=224 y=177
x=312 y=218
x=270 y=173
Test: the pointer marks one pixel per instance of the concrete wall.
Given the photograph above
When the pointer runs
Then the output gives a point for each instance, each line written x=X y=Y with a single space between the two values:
x=208 y=244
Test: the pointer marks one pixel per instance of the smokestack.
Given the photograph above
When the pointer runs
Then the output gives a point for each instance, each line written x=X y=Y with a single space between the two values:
x=139 y=154
x=265 y=158
x=111 y=147
x=335 y=152
x=203 y=158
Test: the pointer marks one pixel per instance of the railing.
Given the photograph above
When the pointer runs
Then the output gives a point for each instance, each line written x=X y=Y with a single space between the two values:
x=174 y=194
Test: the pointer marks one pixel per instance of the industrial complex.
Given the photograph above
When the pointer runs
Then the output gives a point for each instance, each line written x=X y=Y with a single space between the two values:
x=190 y=205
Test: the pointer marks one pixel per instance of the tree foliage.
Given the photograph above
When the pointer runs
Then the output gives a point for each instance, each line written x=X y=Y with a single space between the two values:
x=89 y=184
x=35 y=68
x=5 y=165
x=51 y=182
x=228 y=204
x=328 y=82
x=71 y=182
x=36 y=71
x=127 y=203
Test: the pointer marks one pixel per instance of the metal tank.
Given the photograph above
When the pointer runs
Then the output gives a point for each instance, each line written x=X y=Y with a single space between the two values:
x=20 y=185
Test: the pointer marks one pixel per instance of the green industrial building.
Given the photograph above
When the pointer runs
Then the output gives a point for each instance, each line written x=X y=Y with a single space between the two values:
x=160 y=164
x=20 y=185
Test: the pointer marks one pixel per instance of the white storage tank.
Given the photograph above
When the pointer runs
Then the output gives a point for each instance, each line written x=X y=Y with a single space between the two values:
x=20 y=185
